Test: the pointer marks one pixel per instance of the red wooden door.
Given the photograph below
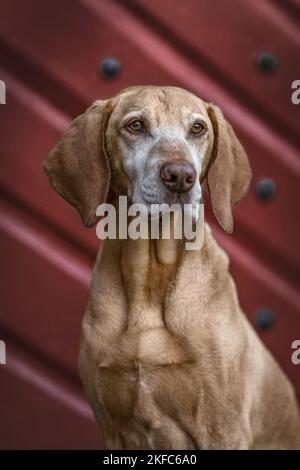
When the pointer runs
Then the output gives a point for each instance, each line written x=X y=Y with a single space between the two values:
x=50 y=59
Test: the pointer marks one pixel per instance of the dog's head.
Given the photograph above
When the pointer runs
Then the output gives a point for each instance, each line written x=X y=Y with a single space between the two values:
x=154 y=144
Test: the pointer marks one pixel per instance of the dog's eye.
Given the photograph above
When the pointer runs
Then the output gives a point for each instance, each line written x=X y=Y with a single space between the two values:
x=197 y=128
x=135 y=126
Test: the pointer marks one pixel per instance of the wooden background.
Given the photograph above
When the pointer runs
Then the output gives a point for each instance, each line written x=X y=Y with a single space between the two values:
x=50 y=59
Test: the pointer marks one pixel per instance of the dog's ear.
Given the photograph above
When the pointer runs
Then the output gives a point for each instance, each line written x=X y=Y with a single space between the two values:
x=229 y=171
x=77 y=167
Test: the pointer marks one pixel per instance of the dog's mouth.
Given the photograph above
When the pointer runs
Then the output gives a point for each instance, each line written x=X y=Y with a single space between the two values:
x=169 y=198
x=177 y=203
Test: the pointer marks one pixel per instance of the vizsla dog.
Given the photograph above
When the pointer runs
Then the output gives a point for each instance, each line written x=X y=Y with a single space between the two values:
x=168 y=359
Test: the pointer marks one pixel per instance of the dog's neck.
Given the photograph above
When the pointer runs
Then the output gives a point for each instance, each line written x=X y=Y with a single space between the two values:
x=144 y=287
x=148 y=268
x=167 y=252
x=146 y=271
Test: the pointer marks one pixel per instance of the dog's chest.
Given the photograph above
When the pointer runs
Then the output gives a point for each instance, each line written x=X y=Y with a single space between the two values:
x=148 y=377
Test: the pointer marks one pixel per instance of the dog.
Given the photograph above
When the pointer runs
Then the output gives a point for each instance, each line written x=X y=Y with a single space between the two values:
x=168 y=359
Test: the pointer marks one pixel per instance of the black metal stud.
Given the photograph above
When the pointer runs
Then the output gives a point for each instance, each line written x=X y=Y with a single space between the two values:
x=265 y=318
x=267 y=62
x=110 y=68
x=266 y=189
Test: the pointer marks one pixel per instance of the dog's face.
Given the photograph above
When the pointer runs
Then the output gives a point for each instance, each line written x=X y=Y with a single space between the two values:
x=158 y=140
x=154 y=144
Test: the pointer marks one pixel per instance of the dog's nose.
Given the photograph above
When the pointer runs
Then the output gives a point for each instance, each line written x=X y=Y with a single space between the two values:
x=178 y=177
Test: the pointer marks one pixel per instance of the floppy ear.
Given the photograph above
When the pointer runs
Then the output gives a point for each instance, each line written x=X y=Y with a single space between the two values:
x=229 y=171
x=77 y=167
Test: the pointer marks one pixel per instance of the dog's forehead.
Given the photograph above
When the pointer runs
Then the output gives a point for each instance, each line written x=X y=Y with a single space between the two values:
x=161 y=104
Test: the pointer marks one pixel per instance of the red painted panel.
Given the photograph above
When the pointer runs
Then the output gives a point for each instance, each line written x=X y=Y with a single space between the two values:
x=32 y=126
x=41 y=410
x=45 y=288
x=72 y=55
x=229 y=37
x=259 y=287
x=272 y=226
